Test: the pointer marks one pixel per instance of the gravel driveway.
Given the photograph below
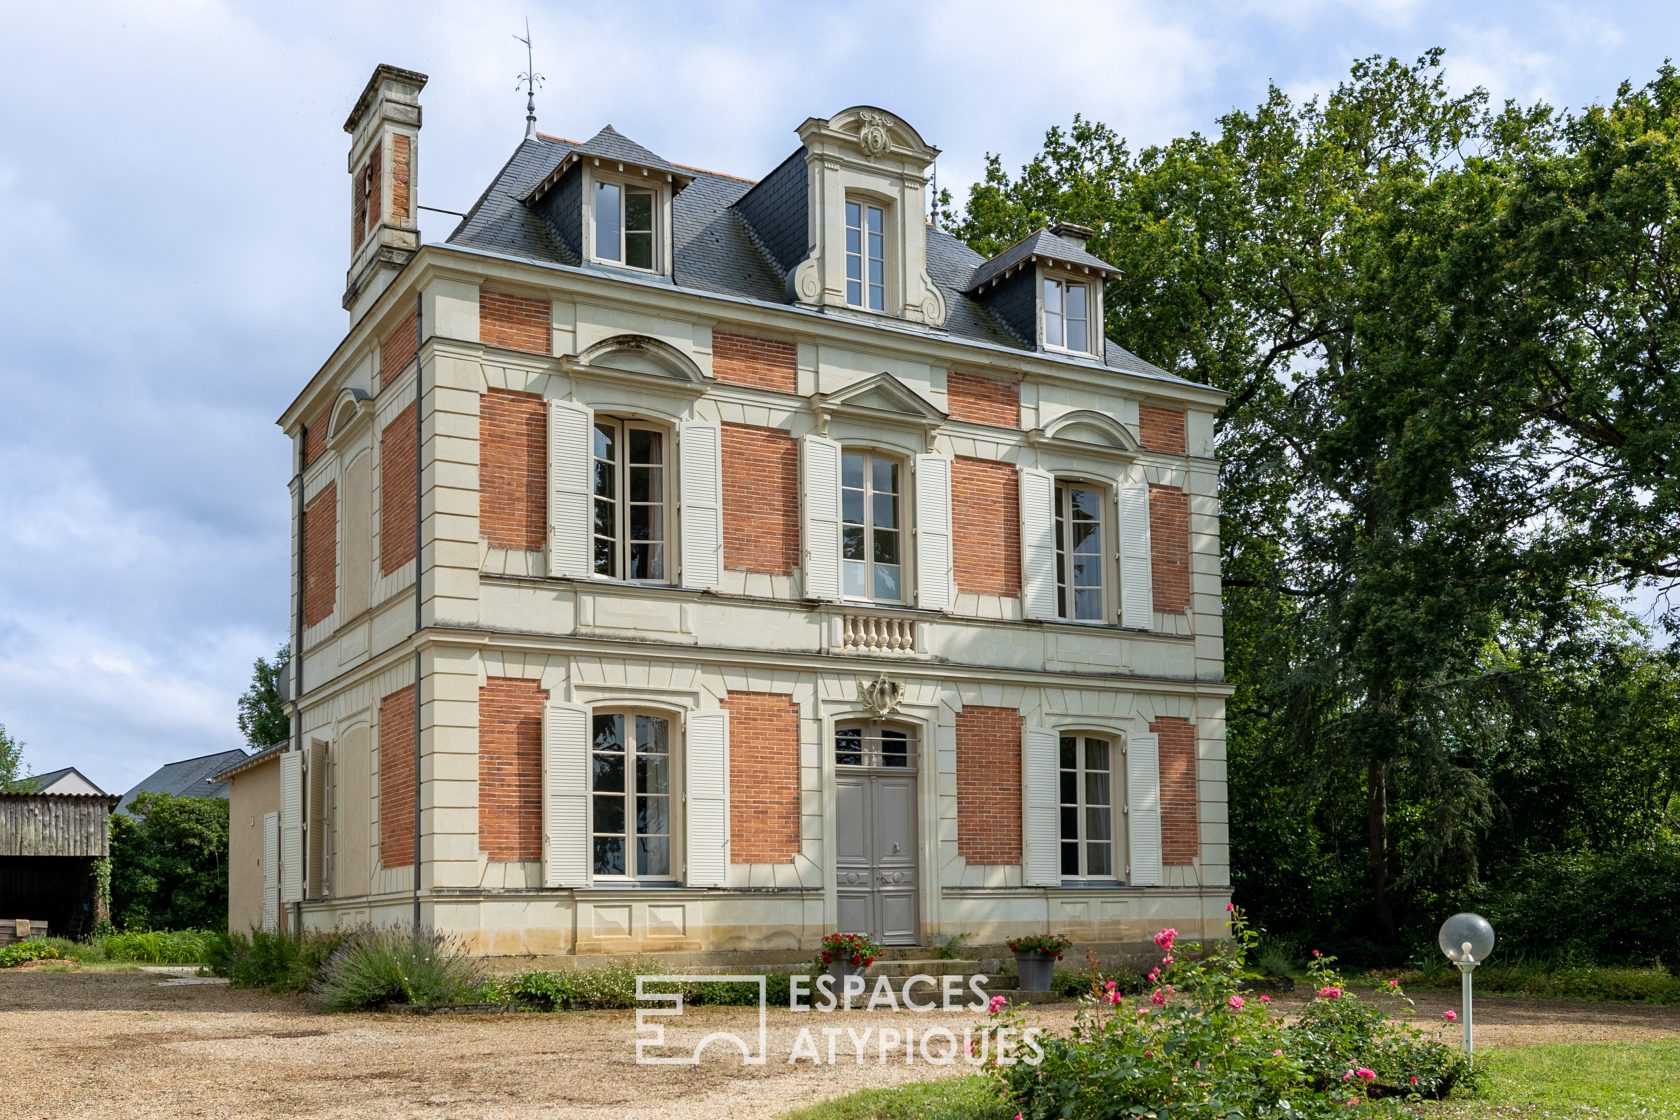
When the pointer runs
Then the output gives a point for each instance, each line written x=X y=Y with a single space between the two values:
x=116 y=1044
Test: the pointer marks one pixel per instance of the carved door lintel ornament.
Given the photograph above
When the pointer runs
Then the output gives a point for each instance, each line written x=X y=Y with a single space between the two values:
x=881 y=695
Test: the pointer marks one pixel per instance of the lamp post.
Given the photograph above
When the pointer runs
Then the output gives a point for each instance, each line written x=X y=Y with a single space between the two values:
x=1466 y=939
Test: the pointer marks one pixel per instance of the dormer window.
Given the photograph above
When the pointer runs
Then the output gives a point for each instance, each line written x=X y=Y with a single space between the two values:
x=866 y=256
x=624 y=224
x=1067 y=315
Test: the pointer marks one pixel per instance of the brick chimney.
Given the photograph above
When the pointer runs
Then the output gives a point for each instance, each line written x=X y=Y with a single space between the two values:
x=384 y=130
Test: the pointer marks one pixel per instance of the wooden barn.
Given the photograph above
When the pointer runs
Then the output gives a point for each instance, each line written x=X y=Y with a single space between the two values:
x=48 y=845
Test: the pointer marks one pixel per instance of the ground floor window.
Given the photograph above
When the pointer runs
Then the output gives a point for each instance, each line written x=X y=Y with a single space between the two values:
x=1087 y=807
x=631 y=804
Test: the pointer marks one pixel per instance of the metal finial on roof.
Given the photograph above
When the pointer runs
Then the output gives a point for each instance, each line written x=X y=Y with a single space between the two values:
x=530 y=80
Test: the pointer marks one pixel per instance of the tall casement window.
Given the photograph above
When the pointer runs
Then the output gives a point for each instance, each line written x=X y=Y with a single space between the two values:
x=1081 y=559
x=624 y=217
x=630 y=525
x=875 y=744
x=871 y=527
x=1087 y=804
x=630 y=787
x=1067 y=315
x=866 y=256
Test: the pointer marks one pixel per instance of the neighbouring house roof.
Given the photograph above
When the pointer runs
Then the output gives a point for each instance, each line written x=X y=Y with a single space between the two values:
x=248 y=762
x=44 y=783
x=716 y=249
x=190 y=777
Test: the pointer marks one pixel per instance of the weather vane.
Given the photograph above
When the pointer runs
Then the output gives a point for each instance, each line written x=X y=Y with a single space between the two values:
x=530 y=80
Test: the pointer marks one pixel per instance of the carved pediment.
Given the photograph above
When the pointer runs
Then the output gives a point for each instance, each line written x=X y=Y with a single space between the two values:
x=1088 y=430
x=882 y=398
x=350 y=407
x=639 y=355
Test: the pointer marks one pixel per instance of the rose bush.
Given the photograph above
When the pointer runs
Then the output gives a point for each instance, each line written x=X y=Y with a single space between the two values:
x=1197 y=1049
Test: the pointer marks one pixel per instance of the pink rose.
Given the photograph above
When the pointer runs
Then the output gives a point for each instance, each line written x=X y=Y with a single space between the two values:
x=1265 y=999
x=1348 y=1076
x=1236 y=1003
x=1277 y=1053
x=1365 y=1074
x=1158 y=998
x=1230 y=906
x=997 y=1004
x=1114 y=997
x=1414 y=1081
x=1111 y=985
x=1164 y=940
x=1450 y=1016
x=1329 y=993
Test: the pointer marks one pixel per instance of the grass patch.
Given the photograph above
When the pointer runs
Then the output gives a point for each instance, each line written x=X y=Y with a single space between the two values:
x=953 y=1098
x=1601 y=1080
x=1577 y=1081
x=182 y=946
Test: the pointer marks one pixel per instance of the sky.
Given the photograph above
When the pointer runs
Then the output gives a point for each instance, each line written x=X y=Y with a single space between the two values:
x=173 y=240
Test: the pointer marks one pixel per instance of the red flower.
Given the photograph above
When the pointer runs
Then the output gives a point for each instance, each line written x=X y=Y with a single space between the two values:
x=828 y=957
x=856 y=959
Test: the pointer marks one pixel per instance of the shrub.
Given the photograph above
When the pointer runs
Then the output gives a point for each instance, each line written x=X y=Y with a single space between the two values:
x=1199 y=1049
x=378 y=967
x=1591 y=908
x=31 y=949
x=280 y=962
x=186 y=946
x=599 y=989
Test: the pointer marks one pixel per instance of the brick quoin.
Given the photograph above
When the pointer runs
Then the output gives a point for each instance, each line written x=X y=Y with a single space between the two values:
x=512 y=469
x=315 y=436
x=989 y=785
x=763 y=777
x=376 y=162
x=401 y=177
x=396 y=350
x=320 y=555
x=1161 y=429
x=510 y=768
x=1169 y=546
x=763 y=363
x=514 y=322
x=760 y=499
x=396 y=492
x=1180 y=831
x=358 y=207
x=984 y=400
x=986 y=526
x=396 y=778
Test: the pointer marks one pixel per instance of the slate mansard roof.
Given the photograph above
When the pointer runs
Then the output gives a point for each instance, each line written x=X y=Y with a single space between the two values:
x=718 y=250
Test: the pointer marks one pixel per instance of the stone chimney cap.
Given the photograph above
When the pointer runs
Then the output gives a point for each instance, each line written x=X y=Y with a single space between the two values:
x=1073 y=232
x=384 y=72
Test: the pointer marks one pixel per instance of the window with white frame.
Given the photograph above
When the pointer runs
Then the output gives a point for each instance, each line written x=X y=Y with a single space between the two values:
x=1081 y=556
x=866 y=255
x=875 y=744
x=625 y=224
x=1067 y=315
x=1087 y=783
x=631 y=806
x=871 y=527
x=631 y=528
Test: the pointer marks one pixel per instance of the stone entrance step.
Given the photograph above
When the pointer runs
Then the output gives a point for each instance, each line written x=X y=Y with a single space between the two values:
x=910 y=966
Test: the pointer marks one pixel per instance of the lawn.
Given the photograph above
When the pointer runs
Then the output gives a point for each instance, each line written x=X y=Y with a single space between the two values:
x=1597 y=1080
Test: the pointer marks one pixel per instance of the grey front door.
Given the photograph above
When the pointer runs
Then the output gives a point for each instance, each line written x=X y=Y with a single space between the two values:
x=875 y=857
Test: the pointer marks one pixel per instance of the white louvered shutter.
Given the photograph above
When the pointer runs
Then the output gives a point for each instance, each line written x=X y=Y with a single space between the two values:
x=933 y=532
x=291 y=826
x=707 y=804
x=700 y=504
x=565 y=795
x=1137 y=595
x=1143 y=809
x=571 y=433
x=1038 y=543
x=1043 y=828
x=271 y=873
x=315 y=823
x=819 y=487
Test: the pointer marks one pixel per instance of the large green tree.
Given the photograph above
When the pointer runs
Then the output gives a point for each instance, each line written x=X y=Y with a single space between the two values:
x=169 y=866
x=262 y=708
x=12 y=768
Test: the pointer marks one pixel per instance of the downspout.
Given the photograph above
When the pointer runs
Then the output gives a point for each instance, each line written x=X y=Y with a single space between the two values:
x=419 y=428
x=296 y=663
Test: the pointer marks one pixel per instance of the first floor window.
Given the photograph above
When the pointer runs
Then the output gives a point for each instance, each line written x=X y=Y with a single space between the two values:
x=1087 y=803
x=629 y=500
x=1067 y=316
x=1081 y=560
x=866 y=256
x=624 y=225
x=872 y=541
x=630 y=784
